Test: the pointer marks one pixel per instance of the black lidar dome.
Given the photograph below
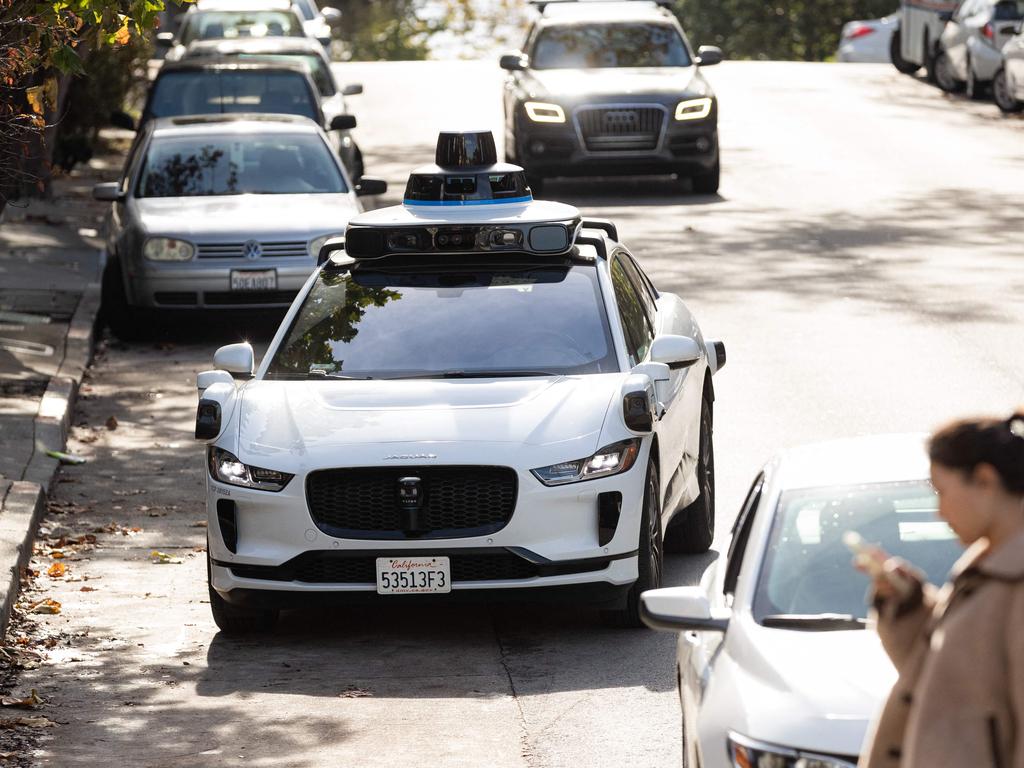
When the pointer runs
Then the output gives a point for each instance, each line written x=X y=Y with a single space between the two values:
x=465 y=149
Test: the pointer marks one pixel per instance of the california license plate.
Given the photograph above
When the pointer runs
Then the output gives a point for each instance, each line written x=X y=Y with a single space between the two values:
x=254 y=280
x=413 y=575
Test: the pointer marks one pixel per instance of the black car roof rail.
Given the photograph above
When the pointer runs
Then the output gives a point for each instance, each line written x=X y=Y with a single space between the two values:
x=603 y=224
x=597 y=242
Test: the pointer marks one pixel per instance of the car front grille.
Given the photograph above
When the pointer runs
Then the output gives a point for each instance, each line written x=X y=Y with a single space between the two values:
x=621 y=128
x=271 y=250
x=454 y=501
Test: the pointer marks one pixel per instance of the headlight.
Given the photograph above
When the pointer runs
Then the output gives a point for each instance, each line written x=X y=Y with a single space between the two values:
x=747 y=753
x=693 y=109
x=610 y=460
x=541 y=112
x=316 y=245
x=167 y=249
x=225 y=467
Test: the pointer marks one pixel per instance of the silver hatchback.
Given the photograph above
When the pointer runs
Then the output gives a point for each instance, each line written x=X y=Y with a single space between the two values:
x=969 y=52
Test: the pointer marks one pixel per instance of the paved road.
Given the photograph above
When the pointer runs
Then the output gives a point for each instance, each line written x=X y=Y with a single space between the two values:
x=861 y=263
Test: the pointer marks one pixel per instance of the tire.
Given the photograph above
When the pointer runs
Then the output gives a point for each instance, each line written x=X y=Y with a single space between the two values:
x=896 y=56
x=692 y=529
x=974 y=88
x=232 y=620
x=126 y=322
x=651 y=559
x=1001 y=94
x=944 y=77
x=707 y=183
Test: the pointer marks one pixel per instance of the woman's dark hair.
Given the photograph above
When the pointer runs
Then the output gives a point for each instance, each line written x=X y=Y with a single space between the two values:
x=966 y=443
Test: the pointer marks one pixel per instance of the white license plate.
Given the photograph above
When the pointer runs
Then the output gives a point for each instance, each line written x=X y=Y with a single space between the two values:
x=413 y=575
x=254 y=280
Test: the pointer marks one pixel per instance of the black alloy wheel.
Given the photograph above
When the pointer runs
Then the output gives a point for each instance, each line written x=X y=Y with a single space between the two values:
x=1002 y=96
x=692 y=529
x=944 y=76
x=650 y=559
x=232 y=620
x=896 y=56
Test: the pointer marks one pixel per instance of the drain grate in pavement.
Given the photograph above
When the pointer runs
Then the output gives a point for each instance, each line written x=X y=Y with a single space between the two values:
x=57 y=305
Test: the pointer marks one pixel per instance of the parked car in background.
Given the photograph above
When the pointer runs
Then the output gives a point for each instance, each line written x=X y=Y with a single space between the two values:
x=319 y=23
x=916 y=38
x=221 y=211
x=1008 y=83
x=775 y=665
x=970 y=48
x=868 y=41
x=220 y=24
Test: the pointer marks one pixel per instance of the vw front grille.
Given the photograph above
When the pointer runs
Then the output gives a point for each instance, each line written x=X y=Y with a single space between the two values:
x=270 y=250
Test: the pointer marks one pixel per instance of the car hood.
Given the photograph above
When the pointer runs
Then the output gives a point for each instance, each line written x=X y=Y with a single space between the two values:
x=815 y=691
x=243 y=216
x=320 y=422
x=642 y=83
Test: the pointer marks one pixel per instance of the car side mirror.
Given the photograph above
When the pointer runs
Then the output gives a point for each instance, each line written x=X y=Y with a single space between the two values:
x=368 y=185
x=331 y=15
x=352 y=89
x=708 y=55
x=513 y=62
x=680 y=609
x=122 y=120
x=675 y=351
x=109 y=191
x=164 y=39
x=236 y=359
x=343 y=122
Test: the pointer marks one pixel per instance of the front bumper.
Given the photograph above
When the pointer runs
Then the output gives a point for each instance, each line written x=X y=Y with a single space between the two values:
x=197 y=285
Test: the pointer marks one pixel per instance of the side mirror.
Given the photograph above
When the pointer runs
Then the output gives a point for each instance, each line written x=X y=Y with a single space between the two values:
x=680 y=609
x=208 y=420
x=236 y=359
x=513 y=62
x=329 y=248
x=675 y=351
x=352 y=89
x=343 y=122
x=109 y=191
x=368 y=185
x=122 y=120
x=707 y=55
x=205 y=379
x=331 y=15
x=164 y=39
x=639 y=406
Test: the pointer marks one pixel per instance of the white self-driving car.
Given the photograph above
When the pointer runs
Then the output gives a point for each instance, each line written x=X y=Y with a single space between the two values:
x=475 y=394
x=775 y=667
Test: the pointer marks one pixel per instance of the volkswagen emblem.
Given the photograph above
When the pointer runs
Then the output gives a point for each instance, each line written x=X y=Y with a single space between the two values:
x=252 y=249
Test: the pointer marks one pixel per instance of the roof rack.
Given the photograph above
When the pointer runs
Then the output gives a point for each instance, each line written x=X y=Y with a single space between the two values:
x=540 y=5
x=605 y=225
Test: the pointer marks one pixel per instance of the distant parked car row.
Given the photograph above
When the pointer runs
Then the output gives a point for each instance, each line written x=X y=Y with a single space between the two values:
x=974 y=46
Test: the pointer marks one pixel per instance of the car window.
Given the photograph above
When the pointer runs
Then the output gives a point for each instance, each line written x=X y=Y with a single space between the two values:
x=318 y=69
x=590 y=46
x=204 y=92
x=1008 y=10
x=307 y=8
x=641 y=288
x=635 y=325
x=807 y=570
x=238 y=164
x=460 y=320
x=741 y=535
x=233 y=25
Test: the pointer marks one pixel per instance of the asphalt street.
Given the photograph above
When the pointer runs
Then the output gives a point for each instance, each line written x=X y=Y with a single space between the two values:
x=862 y=265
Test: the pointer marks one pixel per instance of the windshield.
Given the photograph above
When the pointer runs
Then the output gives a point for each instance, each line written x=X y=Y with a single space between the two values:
x=456 y=321
x=318 y=69
x=206 y=92
x=232 y=25
x=588 y=46
x=275 y=164
x=807 y=568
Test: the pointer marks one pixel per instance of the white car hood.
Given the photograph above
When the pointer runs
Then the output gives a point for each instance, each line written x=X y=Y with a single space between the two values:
x=815 y=691
x=319 y=422
x=243 y=216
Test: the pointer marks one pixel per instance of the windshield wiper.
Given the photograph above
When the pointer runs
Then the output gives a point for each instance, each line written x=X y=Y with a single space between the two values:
x=314 y=374
x=496 y=374
x=814 y=621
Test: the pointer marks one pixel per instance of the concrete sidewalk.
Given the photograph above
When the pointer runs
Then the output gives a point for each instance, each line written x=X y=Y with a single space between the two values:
x=50 y=268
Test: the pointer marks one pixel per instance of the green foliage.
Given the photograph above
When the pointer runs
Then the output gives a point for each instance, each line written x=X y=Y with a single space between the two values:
x=806 y=30
x=389 y=30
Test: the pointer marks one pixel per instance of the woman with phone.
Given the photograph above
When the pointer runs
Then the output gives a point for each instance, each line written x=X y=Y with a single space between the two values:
x=959 y=651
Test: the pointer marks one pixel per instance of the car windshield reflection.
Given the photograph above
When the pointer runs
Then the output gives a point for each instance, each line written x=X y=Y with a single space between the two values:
x=589 y=46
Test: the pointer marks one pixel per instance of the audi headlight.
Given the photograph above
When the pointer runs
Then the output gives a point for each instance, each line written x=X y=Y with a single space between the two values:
x=748 y=753
x=225 y=467
x=316 y=245
x=167 y=249
x=542 y=112
x=610 y=460
x=693 y=109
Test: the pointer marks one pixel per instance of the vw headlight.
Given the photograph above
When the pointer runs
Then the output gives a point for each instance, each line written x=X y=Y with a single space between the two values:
x=693 y=109
x=167 y=249
x=610 y=460
x=316 y=245
x=542 y=112
x=748 y=753
x=226 y=468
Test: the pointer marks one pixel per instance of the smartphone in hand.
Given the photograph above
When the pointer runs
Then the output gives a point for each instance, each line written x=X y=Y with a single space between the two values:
x=877 y=563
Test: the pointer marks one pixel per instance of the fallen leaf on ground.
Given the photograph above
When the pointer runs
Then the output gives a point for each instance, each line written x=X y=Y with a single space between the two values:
x=162 y=558
x=56 y=554
x=112 y=422
x=87 y=589
x=56 y=570
x=46 y=606
x=199 y=524
x=28 y=702
x=36 y=721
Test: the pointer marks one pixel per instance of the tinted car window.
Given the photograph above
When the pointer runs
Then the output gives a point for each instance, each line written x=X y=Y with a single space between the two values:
x=456 y=321
x=589 y=46
x=232 y=25
x=641 y=288
x=234 y=165
x=317 y=67
x=205 y=92
x=634 y=322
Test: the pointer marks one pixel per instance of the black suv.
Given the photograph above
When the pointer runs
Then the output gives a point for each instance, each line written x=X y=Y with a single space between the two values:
x=611 y=88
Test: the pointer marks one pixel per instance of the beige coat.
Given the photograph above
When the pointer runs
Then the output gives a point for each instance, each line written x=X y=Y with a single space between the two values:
x=959 y=652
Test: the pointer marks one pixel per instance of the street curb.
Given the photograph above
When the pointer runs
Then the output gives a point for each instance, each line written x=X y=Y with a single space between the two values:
x=23 y=507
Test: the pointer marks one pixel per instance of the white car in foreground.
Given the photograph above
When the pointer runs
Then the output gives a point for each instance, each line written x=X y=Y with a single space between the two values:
x=776 y=664
x=483 y=394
